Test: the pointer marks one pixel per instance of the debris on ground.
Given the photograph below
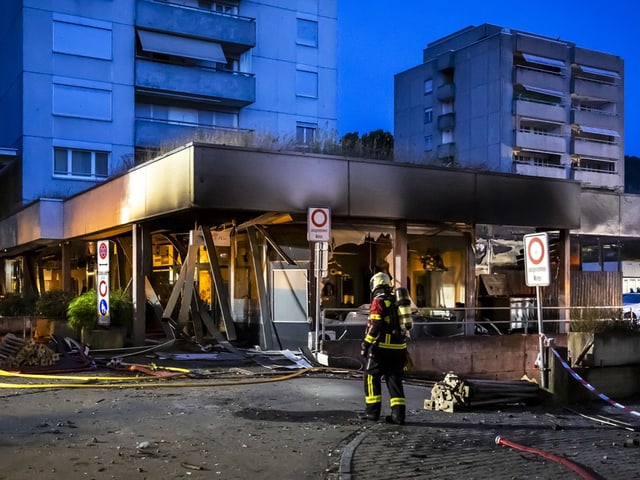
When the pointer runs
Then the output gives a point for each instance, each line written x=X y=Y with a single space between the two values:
x=454 y=392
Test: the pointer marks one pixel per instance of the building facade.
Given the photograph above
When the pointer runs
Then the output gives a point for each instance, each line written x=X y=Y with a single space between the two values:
x=91 y=88
x=183 y=133
x=503 y=100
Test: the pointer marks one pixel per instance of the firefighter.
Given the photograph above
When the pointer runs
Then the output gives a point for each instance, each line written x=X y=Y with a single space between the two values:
x=384 y=349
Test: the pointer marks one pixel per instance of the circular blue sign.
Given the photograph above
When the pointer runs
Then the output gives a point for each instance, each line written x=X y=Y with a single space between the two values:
x=103 y=307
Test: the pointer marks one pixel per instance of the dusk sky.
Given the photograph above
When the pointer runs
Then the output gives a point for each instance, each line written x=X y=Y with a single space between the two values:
x=377 y=40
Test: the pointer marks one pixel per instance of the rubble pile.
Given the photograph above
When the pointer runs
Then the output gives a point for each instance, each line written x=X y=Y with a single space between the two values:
x=16 y=352
x=454 y=392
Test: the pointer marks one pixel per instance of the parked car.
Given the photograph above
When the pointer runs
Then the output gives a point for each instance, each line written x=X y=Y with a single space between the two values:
x=631 y=307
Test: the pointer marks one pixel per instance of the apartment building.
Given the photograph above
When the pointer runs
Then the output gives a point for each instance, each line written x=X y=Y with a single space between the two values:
x=502 y=100
x=90 y=88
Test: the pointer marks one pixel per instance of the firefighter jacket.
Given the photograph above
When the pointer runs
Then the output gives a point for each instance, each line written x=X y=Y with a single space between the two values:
x=383 y=326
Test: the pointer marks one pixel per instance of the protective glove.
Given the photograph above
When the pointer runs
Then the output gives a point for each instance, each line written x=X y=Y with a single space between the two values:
x=364 y=349
x=408 y=363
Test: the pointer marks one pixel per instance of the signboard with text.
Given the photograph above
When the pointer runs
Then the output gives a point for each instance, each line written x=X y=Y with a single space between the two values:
x=536 y=260
x=103 y=282
x=319 y=225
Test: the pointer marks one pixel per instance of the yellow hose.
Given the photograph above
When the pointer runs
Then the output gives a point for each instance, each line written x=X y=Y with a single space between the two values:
x=147 y=384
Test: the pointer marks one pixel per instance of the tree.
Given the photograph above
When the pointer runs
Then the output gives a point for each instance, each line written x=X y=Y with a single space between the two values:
x=377 y=144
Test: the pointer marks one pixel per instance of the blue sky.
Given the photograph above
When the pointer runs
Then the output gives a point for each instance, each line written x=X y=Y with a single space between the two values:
x=378 y=39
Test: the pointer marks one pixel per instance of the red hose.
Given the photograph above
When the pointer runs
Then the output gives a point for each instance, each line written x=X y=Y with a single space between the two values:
x=567 y=463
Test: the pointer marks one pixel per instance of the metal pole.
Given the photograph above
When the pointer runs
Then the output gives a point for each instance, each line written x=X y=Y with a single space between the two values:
x=317 y=268
x=543 y=363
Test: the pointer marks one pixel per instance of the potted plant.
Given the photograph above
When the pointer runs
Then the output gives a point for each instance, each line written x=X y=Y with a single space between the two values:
x=82 y=315
x=51 y=307
x=603 y=338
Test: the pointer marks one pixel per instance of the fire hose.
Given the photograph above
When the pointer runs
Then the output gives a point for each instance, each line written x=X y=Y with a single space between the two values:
x=550 y=456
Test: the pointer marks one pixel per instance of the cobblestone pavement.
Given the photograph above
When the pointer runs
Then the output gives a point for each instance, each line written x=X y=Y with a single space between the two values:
x=462 y=445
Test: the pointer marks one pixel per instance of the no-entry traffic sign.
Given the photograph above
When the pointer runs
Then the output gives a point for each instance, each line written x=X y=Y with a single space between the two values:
x=319 y=225
x=536 y=260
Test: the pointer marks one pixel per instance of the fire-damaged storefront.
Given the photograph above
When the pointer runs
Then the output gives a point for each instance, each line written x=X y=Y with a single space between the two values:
x=223 y=231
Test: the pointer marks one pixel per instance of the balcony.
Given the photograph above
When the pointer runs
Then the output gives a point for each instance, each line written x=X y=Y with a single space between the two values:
x=154 y=133
x=446 y=121
x=540 y=170
x=230 y=89
x=599 y=179
x=593 y=148
x=530 y=76
x=545 y=143
x=446 y=92
x=596 y=117
x=542 y=111
x=169 y=17
x=447 y=150
x=590 y=88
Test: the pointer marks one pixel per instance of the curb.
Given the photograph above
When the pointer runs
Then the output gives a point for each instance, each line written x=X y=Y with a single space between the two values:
x=348 y=452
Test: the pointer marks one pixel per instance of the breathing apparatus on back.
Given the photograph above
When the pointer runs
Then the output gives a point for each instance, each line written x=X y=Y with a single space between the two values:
x=402 y=302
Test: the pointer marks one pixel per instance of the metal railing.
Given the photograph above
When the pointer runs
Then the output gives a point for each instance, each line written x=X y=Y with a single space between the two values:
x=349 y=323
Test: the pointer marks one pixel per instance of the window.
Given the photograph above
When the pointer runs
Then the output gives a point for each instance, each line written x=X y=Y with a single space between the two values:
x=306 y=133
x=428 y=115
x=428 y=143
x=428 y=86
x=306 y=84
x=447 y=107
x=218 y=7
x=186 y=116
x=307 y=32
x=447 y=136
x=82 y=163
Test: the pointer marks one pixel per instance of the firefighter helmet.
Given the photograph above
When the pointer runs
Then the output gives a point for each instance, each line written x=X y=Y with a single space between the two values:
x=380 y=279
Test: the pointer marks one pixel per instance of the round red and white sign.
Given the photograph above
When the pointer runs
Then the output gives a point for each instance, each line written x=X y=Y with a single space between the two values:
x=318 y=224
x=536 y=250
x=319 y=217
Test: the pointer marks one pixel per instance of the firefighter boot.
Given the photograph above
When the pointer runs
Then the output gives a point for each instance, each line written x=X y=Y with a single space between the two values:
x=372 y=412
x=397 y=415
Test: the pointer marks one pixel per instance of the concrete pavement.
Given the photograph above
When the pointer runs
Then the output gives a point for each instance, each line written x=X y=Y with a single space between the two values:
x=462 y=445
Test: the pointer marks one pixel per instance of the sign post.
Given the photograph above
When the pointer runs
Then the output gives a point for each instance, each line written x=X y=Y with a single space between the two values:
x=319 y=232
x=537 y=274
x=103 y=283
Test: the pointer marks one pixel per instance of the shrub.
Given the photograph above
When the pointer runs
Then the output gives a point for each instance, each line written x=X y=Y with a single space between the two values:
x=595 y=320
x=83 y=310
x=53 y=304
x=16 y=305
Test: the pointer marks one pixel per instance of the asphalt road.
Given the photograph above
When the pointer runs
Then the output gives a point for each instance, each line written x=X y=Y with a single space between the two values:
x=258 y=424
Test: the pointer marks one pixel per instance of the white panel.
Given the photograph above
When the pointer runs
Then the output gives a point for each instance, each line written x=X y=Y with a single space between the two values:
x=81 y=40
x=77 y=101
x=290 y=296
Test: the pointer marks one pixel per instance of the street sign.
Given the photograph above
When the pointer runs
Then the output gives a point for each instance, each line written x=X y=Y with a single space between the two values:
x=319 y=225
x=103 y=299
x=103 y=256
x=103 y=283
x=536 y=260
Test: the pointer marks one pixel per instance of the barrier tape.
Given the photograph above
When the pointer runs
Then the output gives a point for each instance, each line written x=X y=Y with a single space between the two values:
x=591 y=388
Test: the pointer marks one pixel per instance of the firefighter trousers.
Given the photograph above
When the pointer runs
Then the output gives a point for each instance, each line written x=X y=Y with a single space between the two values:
x=387 y=363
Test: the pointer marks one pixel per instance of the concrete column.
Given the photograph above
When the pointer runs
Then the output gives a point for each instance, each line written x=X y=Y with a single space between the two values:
x=564 y=280
x=141 y=267
x=470 y=286
x=65 y=260
x=400 y=251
